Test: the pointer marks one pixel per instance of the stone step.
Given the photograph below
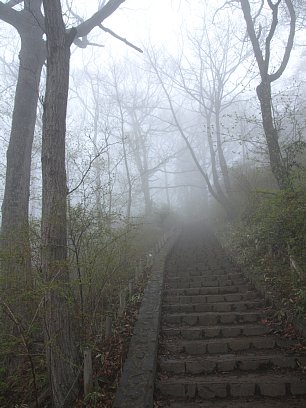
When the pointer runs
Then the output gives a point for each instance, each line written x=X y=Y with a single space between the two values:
x=204 y=332
x=227 y=363
x=211 y=318
x=193 y=274
x=232 y=297
x=213 y=307
x=225 y=345
x=183 y=283
x=255 y=402
x=209 y=290
x=226 y=386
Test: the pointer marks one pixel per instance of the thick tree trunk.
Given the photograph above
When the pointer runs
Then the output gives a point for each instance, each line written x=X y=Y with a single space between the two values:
x=16 y=266
x=271 y=133
x=62 y=356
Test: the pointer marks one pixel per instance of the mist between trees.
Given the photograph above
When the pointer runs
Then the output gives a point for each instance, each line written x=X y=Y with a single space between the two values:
x=102 y=153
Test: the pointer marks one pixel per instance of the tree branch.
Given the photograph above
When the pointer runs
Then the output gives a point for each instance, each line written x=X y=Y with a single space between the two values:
x=10 y=16
x=289 y=46
x=87 y=26
x=246 y=9
x=84 y=43
x=274 y=8
x=107 y=30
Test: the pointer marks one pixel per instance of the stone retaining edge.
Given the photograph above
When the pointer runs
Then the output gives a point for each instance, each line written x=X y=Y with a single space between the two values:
x=136 y=385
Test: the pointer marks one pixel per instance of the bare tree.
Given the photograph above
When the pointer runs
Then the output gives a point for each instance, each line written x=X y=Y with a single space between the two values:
x=209 y=77
x=152 y=56
x=262 y=50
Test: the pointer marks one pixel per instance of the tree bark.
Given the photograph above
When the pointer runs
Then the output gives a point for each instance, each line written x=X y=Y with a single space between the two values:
x=61 y=345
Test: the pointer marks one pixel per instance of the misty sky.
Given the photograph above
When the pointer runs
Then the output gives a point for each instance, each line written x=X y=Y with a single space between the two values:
x=140 y=21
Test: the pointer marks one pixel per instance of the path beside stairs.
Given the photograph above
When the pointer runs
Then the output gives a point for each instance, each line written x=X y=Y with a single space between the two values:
x=214 y=351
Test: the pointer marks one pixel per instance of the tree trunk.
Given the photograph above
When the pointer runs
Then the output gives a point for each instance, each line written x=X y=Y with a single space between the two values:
x=222 y=198
x=15 y=244
x=61 y=346
x=222 y=161
x=128 y=175
x=97 y=164
x=141 y=160
x=271 y=133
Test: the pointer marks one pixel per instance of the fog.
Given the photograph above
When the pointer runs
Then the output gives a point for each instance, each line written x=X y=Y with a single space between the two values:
x=139 y=121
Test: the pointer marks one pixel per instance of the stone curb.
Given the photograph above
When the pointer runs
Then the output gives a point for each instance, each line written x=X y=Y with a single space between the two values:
x=136 y=386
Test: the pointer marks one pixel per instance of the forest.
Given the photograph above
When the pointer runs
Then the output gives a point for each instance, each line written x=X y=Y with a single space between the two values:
x=121 y=121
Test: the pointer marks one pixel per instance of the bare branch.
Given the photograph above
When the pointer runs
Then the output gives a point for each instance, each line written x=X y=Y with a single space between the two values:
x=75 y=15
x=10 y=16
x=274 y=8
x=289 y=45
x=246 y=9
x=91 y=161
x=152 y=60
x=124 y=40
x=84 y=43
x=87 y=26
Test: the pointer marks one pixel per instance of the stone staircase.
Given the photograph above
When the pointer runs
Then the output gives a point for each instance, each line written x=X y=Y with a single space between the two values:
x=214 y=351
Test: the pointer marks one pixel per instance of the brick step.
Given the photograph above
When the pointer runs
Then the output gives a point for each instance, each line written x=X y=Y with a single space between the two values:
x=232 y=297
x=255 y=402
x=231 y=362
x=213 y=307
x=209 y=290
x=211 y=318
x=204 y=332
x=183 y=283
x=225 y=386
x=225 y=345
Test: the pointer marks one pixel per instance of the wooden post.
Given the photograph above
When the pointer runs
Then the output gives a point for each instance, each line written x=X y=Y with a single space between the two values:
x=108 y=326
x=88 y=384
